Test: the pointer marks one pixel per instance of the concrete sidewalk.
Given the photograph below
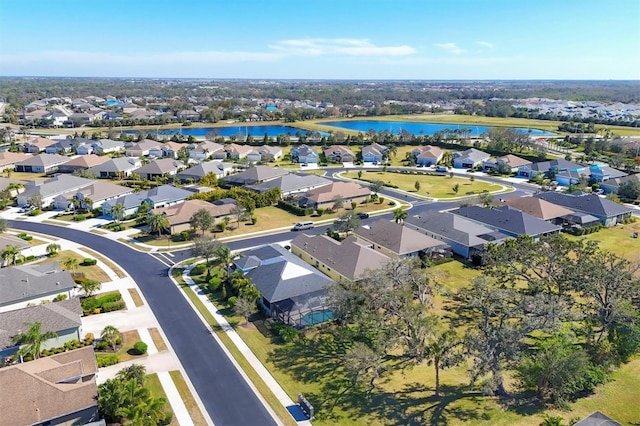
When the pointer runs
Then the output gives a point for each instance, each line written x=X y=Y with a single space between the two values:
x=264 y=374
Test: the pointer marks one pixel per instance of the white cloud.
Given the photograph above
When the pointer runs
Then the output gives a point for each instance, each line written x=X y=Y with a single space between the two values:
x=485 y=44
x=450 y=47
x=338 y=46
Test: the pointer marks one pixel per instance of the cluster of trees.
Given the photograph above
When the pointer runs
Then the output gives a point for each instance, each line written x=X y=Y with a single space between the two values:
x=556 y=315
x=250 y=200
x=126 y=400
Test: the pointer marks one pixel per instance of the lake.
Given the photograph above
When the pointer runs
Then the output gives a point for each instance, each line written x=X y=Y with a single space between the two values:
x=416 y=128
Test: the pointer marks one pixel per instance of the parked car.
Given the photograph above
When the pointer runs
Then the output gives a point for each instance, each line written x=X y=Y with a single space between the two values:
x=442 y=169
x=301 y=226
x=363 y=215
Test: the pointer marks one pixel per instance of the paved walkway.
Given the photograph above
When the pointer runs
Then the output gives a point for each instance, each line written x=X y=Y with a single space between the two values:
x=264 y=374
x=139 y=318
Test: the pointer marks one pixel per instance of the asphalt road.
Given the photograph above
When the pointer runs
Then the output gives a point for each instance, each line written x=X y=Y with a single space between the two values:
x=227 y=397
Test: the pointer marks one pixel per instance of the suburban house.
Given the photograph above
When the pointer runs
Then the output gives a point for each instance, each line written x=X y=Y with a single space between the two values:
x=539 y=208
x=602 y=173
x=167 y=149
x=179 y=215
x=465 y=237
x=427 y=155
x=61 y=317
x=188 y=115
x=60 y=389
x=37 y=145
x=304 y=154
x=264 y=153
x=7 y=240
x=197 y=172
x=508 y=220
x=339 y=154
x=607 y=212
x=140 y=149
x=254 y=175
x=161 y=196
x=32 y=283
x=513 y=162
x=5 y=183
x=341 y=260
x=82 y=162
x=236 y=152
x=613 y=185
x=67 y=146
x=325 y=196
x=102 y=146
x=469 y=159
x=206 y=149
x=41 y=163
x=98 y=192
x=8 y=160
x=291 y=184
x=597 y=418
x=117 y=167
x=159 y=168
x=396 y=240
x=546 y=167
x=292 y=291
x=51 y=188
x=374 y=153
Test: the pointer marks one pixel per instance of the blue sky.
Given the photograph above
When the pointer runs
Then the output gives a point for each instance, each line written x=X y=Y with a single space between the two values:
x=330 y=39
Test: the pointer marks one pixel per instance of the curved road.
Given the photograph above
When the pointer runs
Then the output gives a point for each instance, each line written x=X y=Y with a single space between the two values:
x=227 y=397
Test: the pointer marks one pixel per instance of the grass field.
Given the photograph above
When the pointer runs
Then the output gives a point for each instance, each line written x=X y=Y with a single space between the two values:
x=115 y=268
x=440 y=187
x=618 y=240
x=158 y=341
x=93 y=272
x=187 y=398
x=126 y=353
x=137 y=300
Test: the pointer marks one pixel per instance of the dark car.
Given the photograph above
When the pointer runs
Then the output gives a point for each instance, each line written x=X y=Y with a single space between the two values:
x=363 y=215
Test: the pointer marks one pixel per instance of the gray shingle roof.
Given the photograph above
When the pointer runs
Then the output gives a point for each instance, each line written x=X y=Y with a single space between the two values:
x=590 y=203
x=32 y=281
x=559 y=164
x=456 y=228
x=282 y=275
x=291 y=183
x=397 y=238
x=255 y=174
x=119 y=164
x=509 y=220
x=44 y=160
x=56 y=185
x=56 y=316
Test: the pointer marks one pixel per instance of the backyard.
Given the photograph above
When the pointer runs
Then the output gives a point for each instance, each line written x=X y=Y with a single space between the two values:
x=440 y=187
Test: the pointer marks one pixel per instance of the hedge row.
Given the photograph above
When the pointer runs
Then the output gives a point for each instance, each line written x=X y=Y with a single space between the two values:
x=105 y=360
x=107 y=303
x=294 y=209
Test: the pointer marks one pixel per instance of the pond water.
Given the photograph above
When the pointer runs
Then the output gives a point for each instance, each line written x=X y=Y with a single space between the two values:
x=417 y=128
x=240 y=131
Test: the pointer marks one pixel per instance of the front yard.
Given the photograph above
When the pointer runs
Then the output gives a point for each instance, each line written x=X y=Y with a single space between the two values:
x=440 y=187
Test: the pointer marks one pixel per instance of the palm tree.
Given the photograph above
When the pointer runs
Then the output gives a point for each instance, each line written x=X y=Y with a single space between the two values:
x=117 y=212
x=399 y=215
x=87 y=204
x=110 y=334
x=53 y=249
x=158 y=223
x=4 y=224
x=224 y=255
x=10 y=255
x=70 y=264
x=31 y=341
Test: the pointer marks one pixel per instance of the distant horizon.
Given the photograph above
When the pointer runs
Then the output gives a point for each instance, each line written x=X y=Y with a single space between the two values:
x=362 y=40
x=435 y=80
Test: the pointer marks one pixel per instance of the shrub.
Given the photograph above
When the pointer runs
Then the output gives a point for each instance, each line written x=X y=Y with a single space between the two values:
x=214 y=283
x=284 y=332
x=294 y=209
x=232 y=300
x=140 y=348
x=101 y=345
x=25 y=237
x=221 y=227
x=89 y=262
x=60 y=297
x=79 y=217
x=199 y=269
x=105 y=360
x=113 y=306
x=34 y=212
x=185 y=235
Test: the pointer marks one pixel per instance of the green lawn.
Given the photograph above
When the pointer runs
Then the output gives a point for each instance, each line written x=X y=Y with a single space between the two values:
x=187 y=398
x=152 y=382
x=440 y=187
x=618 y=240
x=93 y=272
